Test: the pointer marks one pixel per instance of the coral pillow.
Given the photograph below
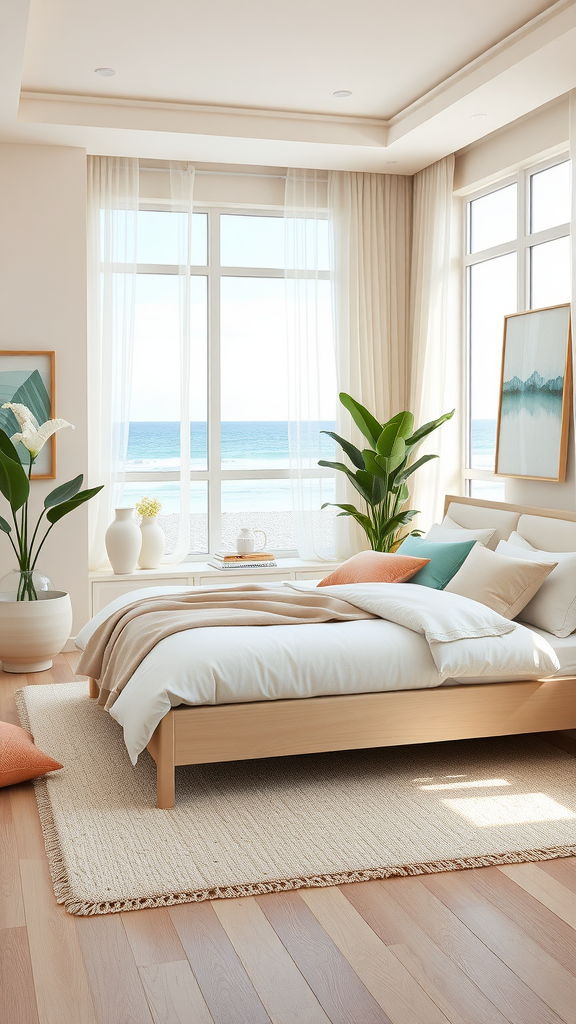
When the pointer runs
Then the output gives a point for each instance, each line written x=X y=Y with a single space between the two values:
x=375 y=567
x=19 y=758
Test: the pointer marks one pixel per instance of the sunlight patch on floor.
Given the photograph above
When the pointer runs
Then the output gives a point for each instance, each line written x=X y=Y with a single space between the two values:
x=504 y=809
x=472 y=784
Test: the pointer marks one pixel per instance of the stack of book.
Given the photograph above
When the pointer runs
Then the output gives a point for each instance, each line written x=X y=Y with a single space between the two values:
x=235 y=560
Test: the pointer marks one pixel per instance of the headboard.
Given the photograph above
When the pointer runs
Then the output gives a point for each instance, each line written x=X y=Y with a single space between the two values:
x=545 y=528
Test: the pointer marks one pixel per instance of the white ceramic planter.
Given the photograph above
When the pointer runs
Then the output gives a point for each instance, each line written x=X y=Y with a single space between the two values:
x=33 y=632
x=123 y=541
x=153 y=543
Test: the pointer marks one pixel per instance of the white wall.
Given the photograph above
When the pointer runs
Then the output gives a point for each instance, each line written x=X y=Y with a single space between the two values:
x=535 y=137
x=43 y=306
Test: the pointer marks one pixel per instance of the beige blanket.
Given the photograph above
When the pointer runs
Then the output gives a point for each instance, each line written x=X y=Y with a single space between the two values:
x=123 y=640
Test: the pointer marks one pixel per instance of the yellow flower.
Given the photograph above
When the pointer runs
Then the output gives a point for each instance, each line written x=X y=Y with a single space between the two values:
x=148 y=507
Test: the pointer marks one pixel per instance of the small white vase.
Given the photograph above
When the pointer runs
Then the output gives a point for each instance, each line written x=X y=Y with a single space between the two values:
x=123 y=542
x=153 y=543
x=33 y=632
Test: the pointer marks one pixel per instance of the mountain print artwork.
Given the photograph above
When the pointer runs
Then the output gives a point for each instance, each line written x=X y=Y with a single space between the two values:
x=533 y=421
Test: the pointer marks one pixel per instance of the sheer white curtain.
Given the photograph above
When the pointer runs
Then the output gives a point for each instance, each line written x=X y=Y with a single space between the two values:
x=435 y=361
x=113 y=204
x=113 y=199
x=182 y=197
x=370 y=216
x=311 y=359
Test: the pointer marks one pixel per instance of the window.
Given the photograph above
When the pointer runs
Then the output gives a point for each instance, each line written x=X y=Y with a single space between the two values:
x=238 y=416
x=517 y=257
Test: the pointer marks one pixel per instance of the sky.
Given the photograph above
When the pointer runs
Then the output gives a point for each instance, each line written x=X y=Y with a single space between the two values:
x=254 y=355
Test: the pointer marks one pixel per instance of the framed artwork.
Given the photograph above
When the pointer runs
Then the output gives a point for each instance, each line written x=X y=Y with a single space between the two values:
x=28 y=378
x=535 y=395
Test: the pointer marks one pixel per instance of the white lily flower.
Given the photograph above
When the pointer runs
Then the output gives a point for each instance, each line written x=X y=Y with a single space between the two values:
x=32 y=436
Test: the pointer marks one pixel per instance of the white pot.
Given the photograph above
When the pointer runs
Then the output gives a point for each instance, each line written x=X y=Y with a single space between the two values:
x=153 y=543
x=33 y=632
x=123 y=541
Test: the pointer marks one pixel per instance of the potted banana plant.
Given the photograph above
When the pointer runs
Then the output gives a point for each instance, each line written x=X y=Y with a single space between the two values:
x=35 y=620
x=379 y=473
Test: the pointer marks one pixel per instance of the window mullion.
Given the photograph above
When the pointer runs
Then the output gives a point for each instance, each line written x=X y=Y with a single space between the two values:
x=214 y=429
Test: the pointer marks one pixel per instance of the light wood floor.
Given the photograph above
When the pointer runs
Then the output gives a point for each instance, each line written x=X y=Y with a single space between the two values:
x=489 y=946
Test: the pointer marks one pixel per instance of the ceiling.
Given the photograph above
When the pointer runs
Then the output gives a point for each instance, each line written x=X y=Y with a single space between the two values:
x=252 y=81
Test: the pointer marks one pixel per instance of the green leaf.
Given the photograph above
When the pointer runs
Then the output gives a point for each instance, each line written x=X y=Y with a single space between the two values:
x=427 y=428
x=366 y=492
x=363 y=419
x=7 y=447
x=4 y=526
x=401 y=477
x=351 y=451
x=391 y=441
x=63 y=492
x=59 y=511
x=351 y=510
x=392 y=462
x=13 y=482
x=403 y=494
x=405 y=422
x=374 y=464
x=400 y=519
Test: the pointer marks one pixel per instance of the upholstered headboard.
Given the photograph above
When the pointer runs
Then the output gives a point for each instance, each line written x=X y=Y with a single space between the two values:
x=548 y=529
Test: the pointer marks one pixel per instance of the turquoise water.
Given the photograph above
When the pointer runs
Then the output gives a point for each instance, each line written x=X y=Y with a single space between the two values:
x=247 y=445
x=260 y=444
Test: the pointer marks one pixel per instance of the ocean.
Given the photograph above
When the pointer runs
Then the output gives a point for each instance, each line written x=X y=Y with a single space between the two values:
x=246 y=445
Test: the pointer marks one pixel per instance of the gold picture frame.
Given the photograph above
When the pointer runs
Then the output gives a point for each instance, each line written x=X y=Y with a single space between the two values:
x=534 y=408
x=28 y=377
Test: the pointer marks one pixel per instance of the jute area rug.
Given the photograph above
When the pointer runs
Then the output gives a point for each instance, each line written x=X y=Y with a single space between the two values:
x=242 y=828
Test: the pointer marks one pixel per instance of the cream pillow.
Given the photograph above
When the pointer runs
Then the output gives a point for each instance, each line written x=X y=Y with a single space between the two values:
x=504 y=584
x=449 y=531
x=554 y=606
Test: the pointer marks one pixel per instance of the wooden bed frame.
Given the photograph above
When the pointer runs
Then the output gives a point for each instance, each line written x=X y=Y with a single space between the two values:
x=238 y=732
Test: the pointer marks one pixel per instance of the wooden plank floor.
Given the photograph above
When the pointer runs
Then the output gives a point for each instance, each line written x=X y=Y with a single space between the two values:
x=489 y=946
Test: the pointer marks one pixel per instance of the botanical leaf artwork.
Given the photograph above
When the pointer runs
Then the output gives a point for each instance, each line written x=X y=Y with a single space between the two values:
x=22 y=387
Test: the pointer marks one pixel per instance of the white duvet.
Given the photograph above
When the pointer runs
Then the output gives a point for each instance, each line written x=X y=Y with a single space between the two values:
x=421 y=638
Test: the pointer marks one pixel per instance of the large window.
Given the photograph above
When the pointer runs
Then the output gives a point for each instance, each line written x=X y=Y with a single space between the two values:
x=517 y=257
x=238 y=416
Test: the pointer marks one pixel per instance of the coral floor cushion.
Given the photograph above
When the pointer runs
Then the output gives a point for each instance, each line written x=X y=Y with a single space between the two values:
x=375 y=567
x=19 y=758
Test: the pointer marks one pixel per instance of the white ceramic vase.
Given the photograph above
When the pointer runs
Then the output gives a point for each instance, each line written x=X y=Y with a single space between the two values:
x=123 y=541
x=33 y=632
x=153 y=543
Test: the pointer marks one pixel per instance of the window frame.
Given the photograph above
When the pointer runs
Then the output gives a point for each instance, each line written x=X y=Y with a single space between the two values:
x=214 y=272
x=521 y=245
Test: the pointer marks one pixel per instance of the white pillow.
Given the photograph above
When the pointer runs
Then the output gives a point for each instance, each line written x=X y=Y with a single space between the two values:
x=449 y=531
x=504 y=584
x=554 y=606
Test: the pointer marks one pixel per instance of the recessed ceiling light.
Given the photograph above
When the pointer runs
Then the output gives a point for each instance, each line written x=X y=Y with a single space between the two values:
x=104 y=72
x=341 y=93
x=478 y=117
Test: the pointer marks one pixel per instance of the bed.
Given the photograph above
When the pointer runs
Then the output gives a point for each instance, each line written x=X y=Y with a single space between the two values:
x=420 y=712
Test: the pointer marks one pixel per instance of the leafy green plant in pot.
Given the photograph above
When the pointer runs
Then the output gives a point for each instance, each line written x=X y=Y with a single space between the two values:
x=380 y=472
x=34 y=622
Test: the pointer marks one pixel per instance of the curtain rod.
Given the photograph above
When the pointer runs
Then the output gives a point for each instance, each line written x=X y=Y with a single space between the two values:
x=226 y=174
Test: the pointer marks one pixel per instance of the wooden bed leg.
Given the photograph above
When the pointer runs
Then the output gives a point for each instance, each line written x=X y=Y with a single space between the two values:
x=165 y=770
x=93 y=688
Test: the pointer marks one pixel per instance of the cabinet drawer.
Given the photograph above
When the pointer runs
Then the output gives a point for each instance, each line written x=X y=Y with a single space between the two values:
x=252 y=577
x=103 y=593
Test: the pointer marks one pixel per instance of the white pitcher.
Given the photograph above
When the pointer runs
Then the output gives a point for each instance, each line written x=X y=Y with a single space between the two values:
x=246 y=541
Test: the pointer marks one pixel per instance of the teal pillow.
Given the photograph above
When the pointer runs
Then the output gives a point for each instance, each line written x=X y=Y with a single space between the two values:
x=445 y=559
